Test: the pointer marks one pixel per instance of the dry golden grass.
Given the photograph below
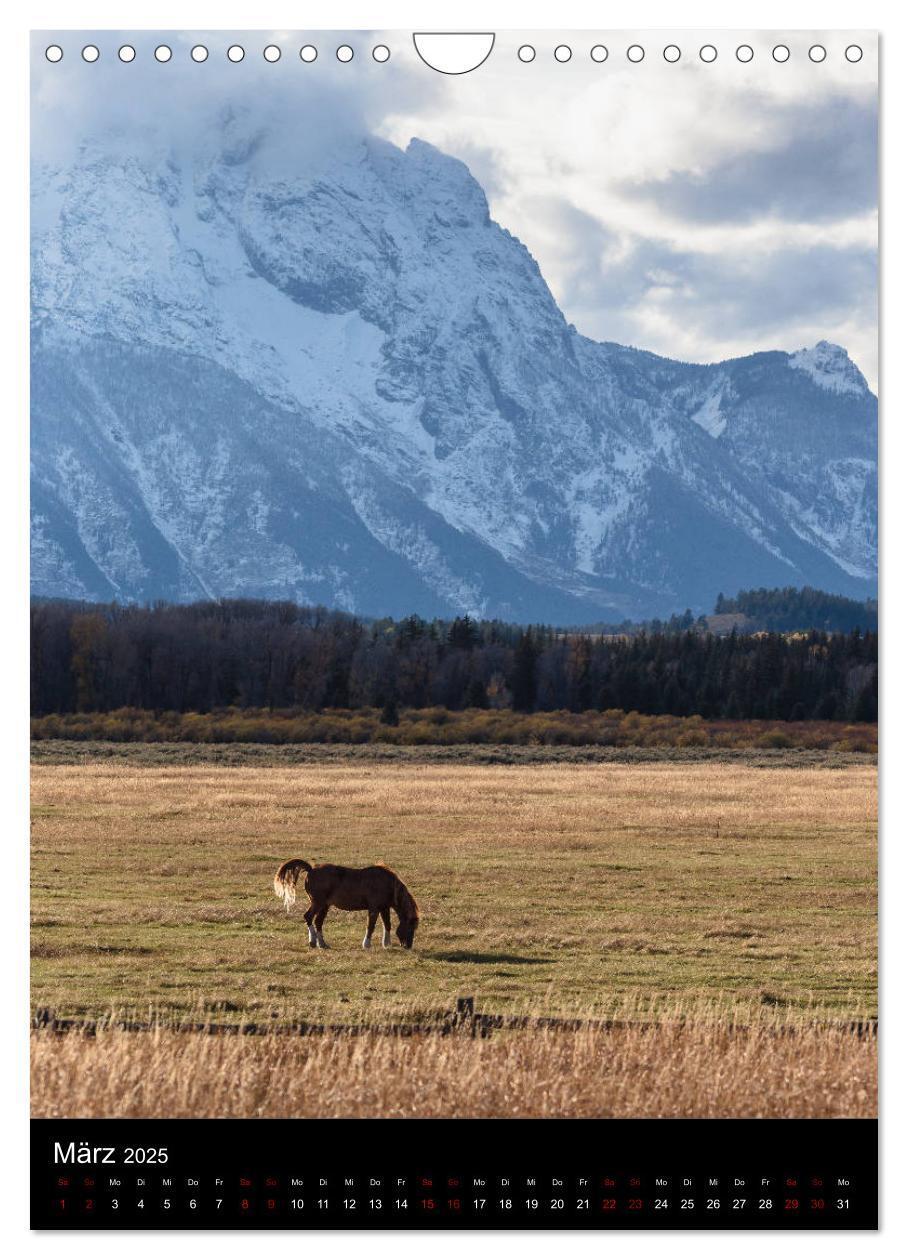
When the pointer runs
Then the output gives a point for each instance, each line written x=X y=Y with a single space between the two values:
x=699 y=1070
x=543 y=888
x=653 y=892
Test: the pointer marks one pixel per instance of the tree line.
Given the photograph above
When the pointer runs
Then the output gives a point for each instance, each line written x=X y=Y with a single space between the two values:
x=793 y=608
x=200 y=657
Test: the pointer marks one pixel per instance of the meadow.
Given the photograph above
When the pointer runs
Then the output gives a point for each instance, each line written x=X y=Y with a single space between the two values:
x=682 y=896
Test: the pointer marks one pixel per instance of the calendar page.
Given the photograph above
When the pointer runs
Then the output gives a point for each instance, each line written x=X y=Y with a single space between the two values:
x=454 y=629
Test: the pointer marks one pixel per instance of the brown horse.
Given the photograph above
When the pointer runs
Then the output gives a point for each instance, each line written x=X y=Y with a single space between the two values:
x=373 y=888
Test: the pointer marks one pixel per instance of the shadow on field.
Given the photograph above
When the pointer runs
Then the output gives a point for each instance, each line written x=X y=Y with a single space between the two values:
x=471 y=956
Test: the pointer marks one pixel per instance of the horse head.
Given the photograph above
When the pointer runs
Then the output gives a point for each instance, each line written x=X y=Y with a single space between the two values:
x=406 y=929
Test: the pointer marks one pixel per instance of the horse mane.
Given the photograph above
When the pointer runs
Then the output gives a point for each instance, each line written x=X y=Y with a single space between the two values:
x=404 y=901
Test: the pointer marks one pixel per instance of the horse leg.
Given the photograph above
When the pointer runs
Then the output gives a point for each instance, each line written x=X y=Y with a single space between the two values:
x=367 y=939
x=313 y=935
x=386 y=924
x=319 y=920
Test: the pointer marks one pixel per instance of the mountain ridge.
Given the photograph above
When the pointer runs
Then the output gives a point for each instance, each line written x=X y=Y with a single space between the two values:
x=352 y=385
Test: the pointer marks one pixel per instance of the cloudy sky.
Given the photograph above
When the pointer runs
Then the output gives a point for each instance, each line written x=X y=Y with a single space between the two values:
x=697 y=210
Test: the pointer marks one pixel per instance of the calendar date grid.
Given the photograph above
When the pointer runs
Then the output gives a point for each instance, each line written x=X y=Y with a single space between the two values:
x=308 y=1198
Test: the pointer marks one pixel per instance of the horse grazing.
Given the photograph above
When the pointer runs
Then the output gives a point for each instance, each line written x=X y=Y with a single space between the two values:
x=373 y=888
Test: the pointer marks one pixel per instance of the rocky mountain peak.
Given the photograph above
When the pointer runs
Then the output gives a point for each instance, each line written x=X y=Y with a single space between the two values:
x=338 y=380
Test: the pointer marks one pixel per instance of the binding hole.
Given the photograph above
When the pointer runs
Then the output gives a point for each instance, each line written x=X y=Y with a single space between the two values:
x=453 y=52
x=562 y=53
x=854 y=53
x=672 y=53
x=817 y=53
x=162 y=53
x=381 y=52
x=708 y=52
x=90 y=53
x=272 y=53
x=744 y=53
x=236 y=53
x=53 y=53
x=781 y=53
x=526 y=52
x=308 y=53
x=126 y=53
x=635 y=53
x=199 y=53
x=599 y=53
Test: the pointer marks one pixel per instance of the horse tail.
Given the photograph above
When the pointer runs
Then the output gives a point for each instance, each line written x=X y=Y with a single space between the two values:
x=287 y=878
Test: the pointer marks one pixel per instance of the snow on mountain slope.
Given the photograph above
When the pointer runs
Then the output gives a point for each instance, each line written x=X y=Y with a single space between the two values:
x=830 y=367
x=351 y=386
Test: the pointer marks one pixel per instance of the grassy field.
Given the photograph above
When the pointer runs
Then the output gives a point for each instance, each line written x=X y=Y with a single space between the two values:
x=551 y=888
x=706 y=891
x=74 y=752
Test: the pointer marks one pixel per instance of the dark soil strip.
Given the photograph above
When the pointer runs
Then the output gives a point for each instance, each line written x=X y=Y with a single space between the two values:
x=462 y=1021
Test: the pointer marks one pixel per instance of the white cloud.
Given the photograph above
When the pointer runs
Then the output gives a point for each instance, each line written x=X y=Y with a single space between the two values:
x=563 y=150
x=604 y=171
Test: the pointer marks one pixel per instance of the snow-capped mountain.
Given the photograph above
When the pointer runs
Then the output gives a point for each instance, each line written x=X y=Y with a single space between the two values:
x=350 y=386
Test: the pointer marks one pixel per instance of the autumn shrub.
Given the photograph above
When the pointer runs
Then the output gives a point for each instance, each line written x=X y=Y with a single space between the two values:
x=450 y=728
x=774 y=739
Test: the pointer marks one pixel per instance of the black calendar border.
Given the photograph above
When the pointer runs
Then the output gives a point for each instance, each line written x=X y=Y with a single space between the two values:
x=414 y=1148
